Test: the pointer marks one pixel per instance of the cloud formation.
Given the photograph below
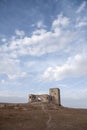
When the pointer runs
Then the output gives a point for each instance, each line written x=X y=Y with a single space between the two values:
x=74 y=67
x=42 y=41
x=61 y=21
x=19 y=32
x=81 y=22
x=40 y=24
x=60 y=38
x=11 y=67
x=81 y=8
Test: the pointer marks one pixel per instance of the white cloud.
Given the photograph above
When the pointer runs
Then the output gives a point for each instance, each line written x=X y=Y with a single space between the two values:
x=43 y=41
x=19 y=33
x=74 y=67
x=11 y=67
x=17 y=75
x=59 y=38
x=39 y=32
x=2 y=81
x=81 y=22
x=40 y=24
x=8 y=65
x=3 y=39
x=61 y=21
x=81 y=8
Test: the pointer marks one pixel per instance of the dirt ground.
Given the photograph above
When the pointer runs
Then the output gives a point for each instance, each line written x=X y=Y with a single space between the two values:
x=41 y=117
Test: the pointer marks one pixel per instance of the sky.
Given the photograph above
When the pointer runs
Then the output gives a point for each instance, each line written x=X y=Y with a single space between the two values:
x=43 y=44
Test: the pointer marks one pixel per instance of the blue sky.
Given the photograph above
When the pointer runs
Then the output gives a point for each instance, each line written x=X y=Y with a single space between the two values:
x=43 y=44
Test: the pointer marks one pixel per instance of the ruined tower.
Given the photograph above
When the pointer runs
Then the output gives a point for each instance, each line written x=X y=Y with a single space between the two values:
x=55 y=95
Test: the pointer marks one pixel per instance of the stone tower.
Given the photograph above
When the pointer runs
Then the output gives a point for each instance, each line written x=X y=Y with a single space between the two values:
x=55 y=95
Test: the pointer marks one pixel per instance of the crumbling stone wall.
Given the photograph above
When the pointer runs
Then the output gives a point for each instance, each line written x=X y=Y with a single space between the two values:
x=53 y=97
x=45 y=98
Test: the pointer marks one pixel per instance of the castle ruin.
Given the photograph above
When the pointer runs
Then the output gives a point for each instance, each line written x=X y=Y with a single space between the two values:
x=53 y=97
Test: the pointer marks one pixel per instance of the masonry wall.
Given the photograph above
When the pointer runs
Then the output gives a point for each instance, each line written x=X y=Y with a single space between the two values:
x=55 y=94
x=44 y=98
x=53 y=97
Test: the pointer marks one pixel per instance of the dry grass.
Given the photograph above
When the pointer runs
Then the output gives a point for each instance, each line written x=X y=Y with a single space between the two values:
x=41 y=117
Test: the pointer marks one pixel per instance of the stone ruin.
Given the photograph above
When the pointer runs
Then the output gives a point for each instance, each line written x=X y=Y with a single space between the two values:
x=53 y=97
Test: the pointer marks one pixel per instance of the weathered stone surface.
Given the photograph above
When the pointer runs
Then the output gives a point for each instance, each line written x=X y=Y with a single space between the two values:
x=53 y=97
x=39 y=98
